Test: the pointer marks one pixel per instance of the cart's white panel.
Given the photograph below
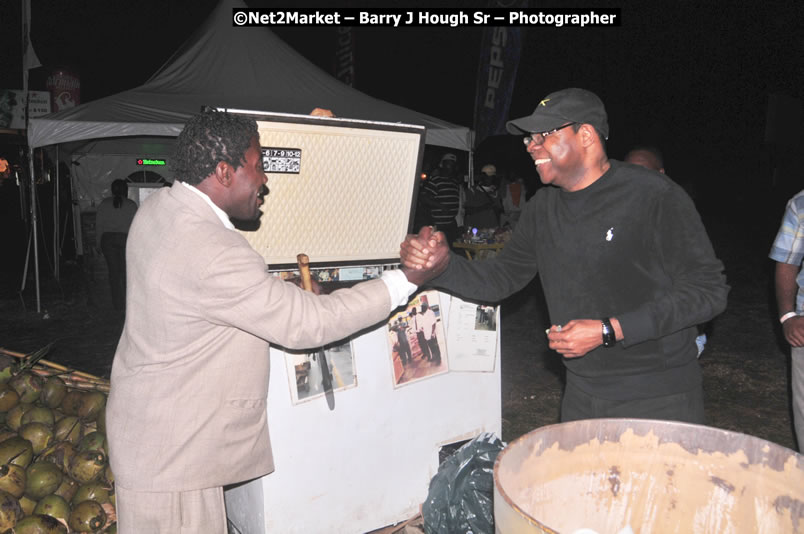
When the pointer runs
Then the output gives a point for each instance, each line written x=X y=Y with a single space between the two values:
x=368 y=463
x=351 y=200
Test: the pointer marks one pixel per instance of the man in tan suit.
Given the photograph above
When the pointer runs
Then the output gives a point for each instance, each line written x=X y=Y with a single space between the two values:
x=187 y=409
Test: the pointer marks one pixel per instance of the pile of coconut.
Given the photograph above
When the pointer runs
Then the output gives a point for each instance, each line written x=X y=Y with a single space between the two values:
x=54 y=470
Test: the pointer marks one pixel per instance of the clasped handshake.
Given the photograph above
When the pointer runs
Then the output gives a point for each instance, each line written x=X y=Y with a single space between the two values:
x=424 y=255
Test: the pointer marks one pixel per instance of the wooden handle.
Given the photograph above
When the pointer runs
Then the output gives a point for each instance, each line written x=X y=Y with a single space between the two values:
x=53 y=365
x=304 y=271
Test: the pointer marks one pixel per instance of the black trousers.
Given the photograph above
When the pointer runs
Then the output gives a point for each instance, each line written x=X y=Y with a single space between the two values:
x=423 y=346
x=404 y=352
x=687 y=407
x=113 y=246
x=435 y=352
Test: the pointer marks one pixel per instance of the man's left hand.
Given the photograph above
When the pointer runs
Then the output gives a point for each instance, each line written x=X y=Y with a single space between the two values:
x=576 y=338
x=793 y=329
x=424 y=256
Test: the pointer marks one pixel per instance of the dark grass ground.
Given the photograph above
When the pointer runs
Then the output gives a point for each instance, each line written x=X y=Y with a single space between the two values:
x=745 y=364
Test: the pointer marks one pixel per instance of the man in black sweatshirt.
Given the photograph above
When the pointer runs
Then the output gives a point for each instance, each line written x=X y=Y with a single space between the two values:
x=626 y=266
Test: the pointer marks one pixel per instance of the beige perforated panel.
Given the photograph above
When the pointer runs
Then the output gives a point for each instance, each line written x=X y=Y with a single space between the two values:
x=351 y=200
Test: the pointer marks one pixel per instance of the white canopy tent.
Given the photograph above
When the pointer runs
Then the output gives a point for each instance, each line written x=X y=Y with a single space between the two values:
x=225 y=66
x=220 y=66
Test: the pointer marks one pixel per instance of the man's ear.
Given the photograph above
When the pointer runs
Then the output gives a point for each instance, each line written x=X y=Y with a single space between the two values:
x=588 y=134
x=224 y=173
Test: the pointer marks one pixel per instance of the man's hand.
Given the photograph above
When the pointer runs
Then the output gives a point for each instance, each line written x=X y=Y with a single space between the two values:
x=424 y=256
x=793 y=329
x=579 y=336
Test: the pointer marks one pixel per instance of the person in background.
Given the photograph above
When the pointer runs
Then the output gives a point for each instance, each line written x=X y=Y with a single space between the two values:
x=788 y=253
x=646 y=156
x=650 y=158
x=481 y=202
x=428 y=326
x=401 y=329
x=441 y=196
x=418 y=328
x=186 y=414
x=625 y=263
x=112 y=221
x=514 y=195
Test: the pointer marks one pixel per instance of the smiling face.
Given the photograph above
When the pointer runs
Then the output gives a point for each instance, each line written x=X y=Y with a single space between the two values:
x=247 y=188
x=558 y=159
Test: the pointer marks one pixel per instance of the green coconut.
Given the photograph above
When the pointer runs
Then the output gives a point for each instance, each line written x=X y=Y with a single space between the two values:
x=17 y=451
x=101 y=421
x=59 y=453
x=86 y=466
x=72 y=401
x=91 y=405
x=108 y=476
x=8 y=398
x=39 y=434
x=53 y=392
x=38 y=414
x=12 y=479
x=42 y=479
x=54 y=506
x=93 y=491
x=68 y=428
x=67 y=489
x=87 y=516
x=40 y=524
x=14 y=415
x=27 y=504
x=10 y=511
x=7 y=367
x=94 y=441
x=27 y=385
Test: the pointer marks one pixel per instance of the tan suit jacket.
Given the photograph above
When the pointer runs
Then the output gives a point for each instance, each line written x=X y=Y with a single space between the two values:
x=187 y=408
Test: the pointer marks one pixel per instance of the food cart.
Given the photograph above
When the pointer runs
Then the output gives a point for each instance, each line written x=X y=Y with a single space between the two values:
x=342 y=192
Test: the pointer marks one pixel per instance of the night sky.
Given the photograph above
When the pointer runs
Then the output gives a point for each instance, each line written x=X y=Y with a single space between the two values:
x=691 y=78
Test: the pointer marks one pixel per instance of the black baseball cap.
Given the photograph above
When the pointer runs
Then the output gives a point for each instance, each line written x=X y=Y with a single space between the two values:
x=561 y=107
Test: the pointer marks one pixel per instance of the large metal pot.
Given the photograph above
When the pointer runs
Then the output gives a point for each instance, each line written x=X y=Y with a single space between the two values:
x=653 y=476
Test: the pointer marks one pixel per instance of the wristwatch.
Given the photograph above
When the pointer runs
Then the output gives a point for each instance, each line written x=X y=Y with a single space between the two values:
x=609 y=337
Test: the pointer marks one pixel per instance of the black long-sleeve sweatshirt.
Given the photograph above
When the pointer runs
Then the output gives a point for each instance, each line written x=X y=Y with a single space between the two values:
x=630 y=246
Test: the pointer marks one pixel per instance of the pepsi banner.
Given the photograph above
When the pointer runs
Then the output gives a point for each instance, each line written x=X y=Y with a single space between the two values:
x=500 y=50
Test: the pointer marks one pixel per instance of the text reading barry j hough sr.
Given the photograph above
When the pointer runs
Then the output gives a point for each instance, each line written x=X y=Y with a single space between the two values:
x=425 y=17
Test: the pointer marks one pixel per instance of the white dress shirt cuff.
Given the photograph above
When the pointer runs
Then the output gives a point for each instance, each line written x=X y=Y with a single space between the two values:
x=398 y=287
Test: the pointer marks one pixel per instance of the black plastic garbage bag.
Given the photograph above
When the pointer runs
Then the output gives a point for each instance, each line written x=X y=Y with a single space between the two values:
x=460 y=499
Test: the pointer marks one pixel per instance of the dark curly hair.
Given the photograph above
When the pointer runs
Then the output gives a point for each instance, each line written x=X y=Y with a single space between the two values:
x=206 y=140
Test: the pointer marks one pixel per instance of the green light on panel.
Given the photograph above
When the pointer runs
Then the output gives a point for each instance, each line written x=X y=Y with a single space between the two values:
x=154 y=162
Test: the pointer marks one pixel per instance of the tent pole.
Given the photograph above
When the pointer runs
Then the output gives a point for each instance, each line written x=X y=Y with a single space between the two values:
x=472 y=149
x=33 y=230
x=56 y=223
x=76 y=213
x=25 y=266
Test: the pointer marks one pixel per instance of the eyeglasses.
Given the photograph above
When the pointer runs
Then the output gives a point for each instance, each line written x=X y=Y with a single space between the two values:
x=538 y=137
